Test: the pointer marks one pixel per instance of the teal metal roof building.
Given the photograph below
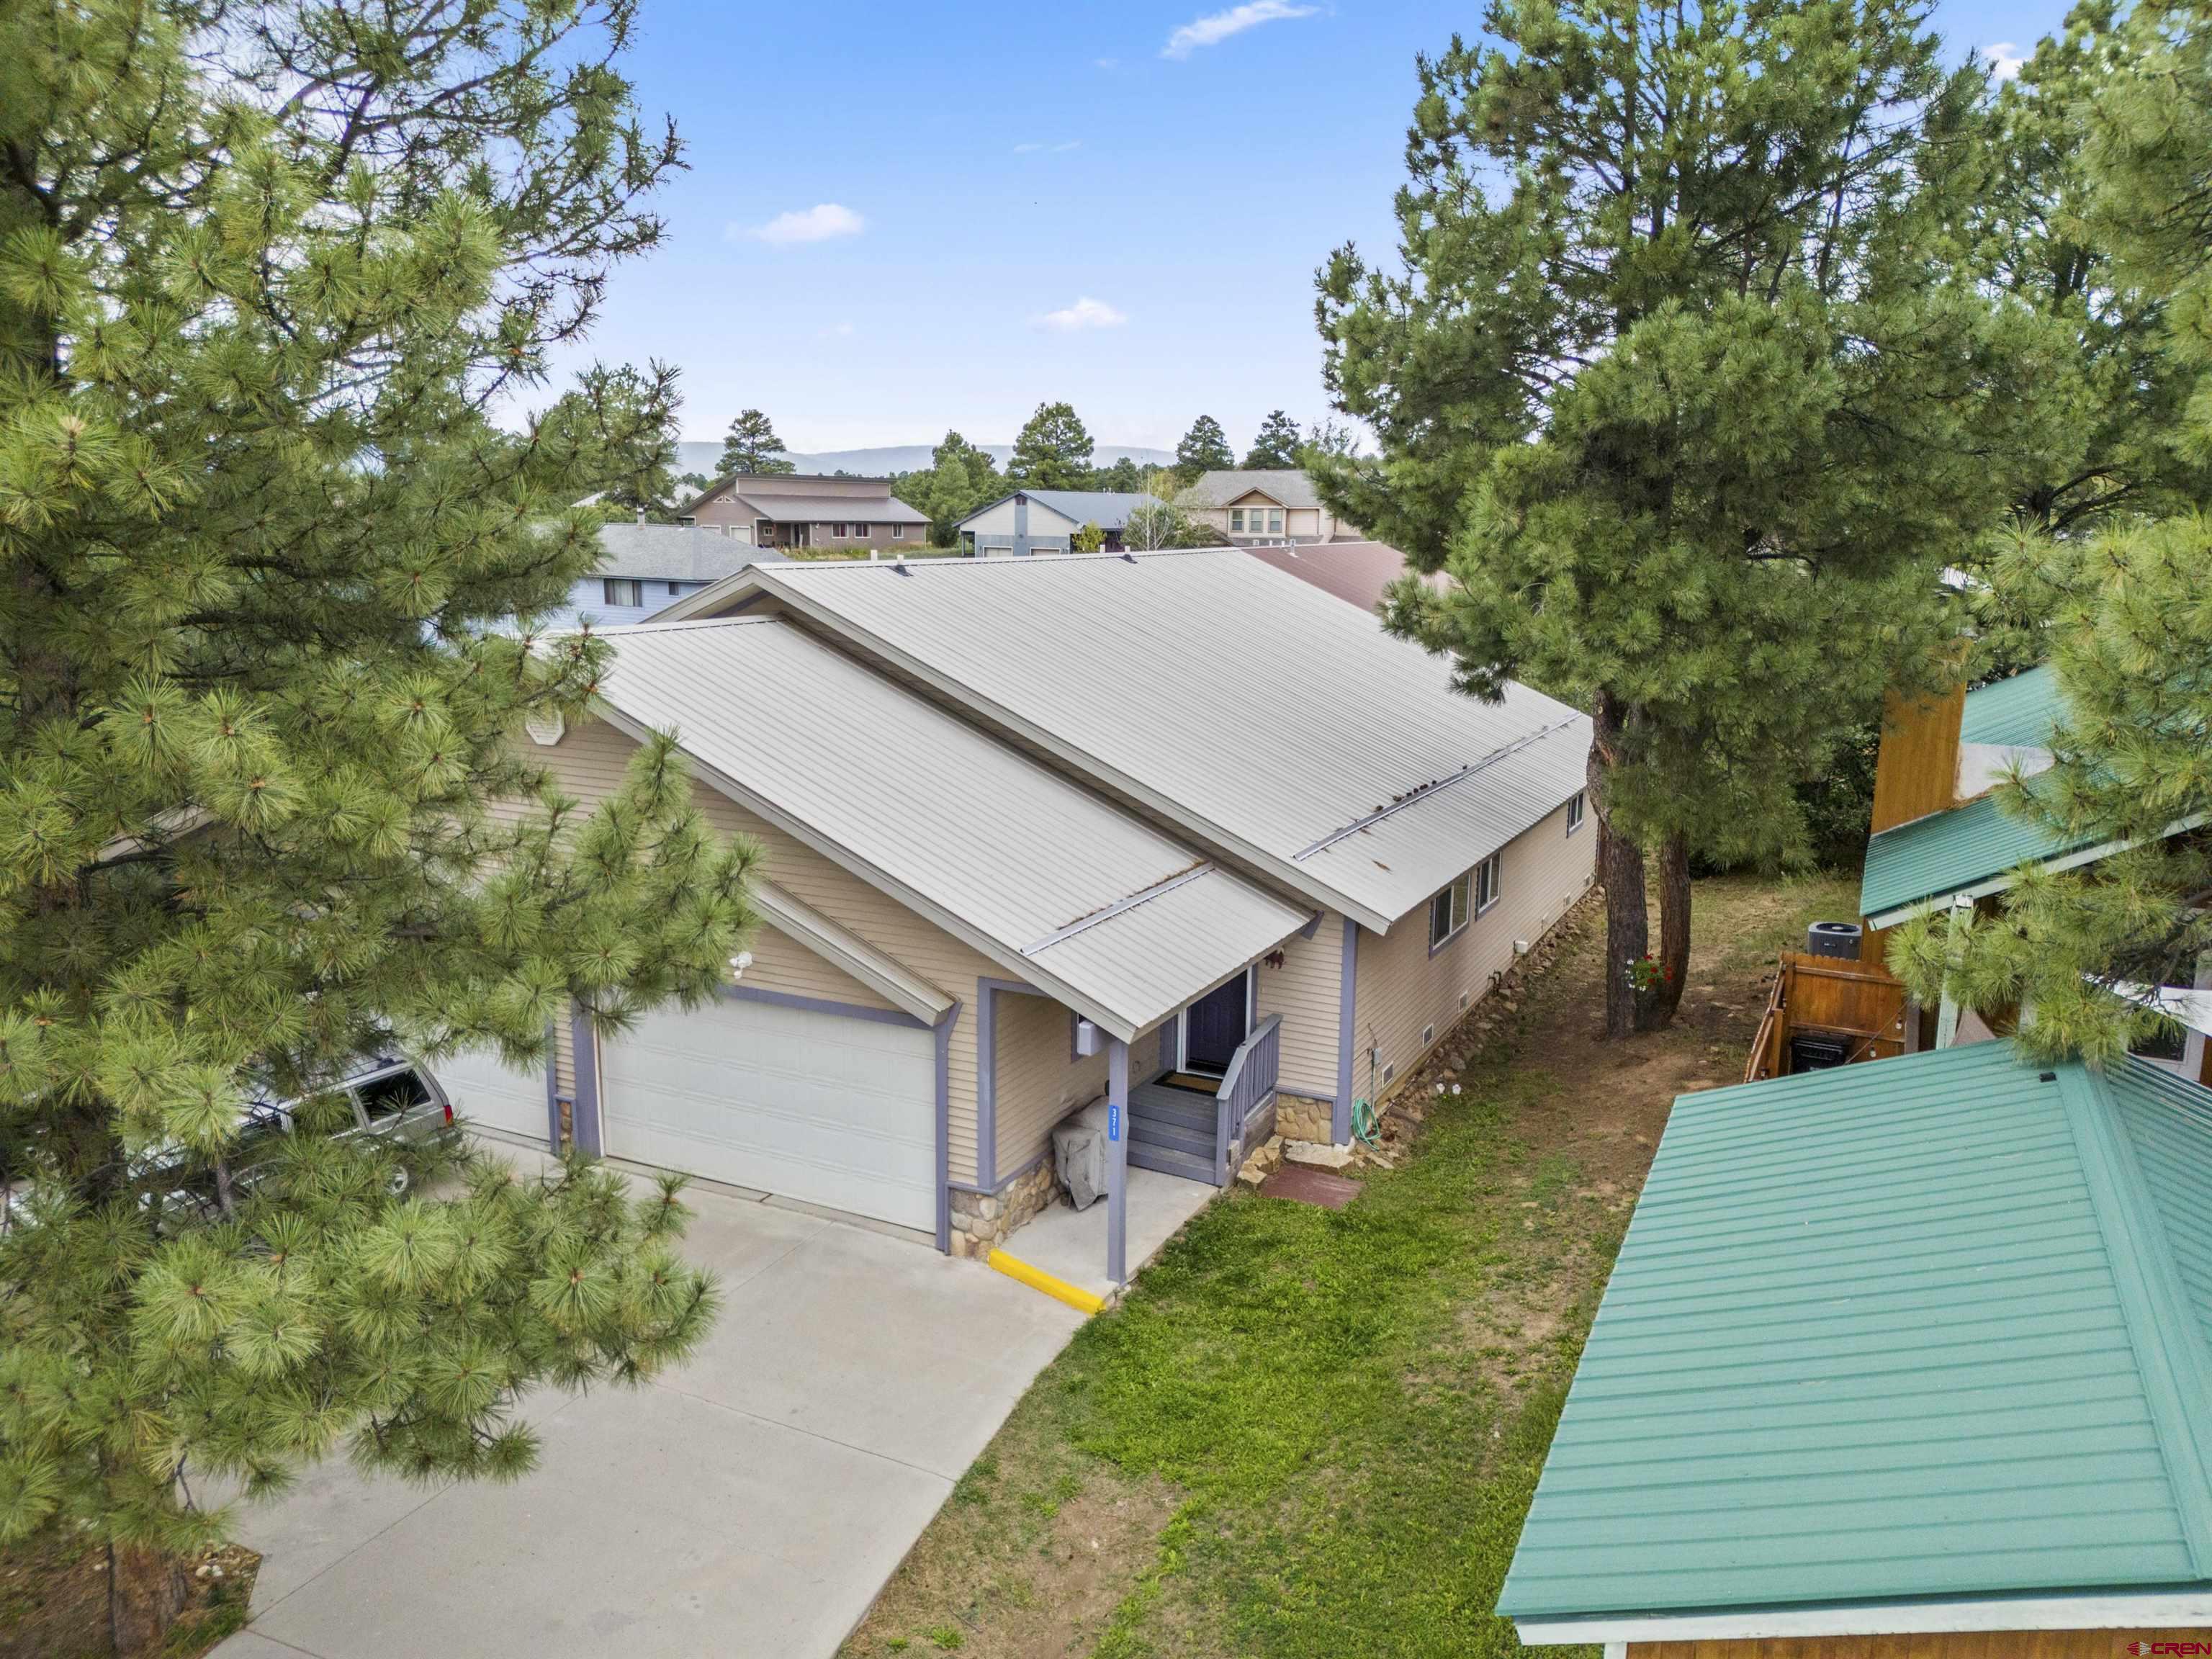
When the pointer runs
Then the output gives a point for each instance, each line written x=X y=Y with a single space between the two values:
x=2018 y=713
x=1923 y=1344
x=1970 y=849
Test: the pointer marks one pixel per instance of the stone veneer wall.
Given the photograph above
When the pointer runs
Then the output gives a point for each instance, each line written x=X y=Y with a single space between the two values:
x=980 y=1221
x=1297 y=1118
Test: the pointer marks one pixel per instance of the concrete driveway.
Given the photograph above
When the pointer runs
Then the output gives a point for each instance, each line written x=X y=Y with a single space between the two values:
x=753 y=1503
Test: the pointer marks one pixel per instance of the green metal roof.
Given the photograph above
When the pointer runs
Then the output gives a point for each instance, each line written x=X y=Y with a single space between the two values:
x=2018 y=711
x=1947 y=853
x=1929 y=1327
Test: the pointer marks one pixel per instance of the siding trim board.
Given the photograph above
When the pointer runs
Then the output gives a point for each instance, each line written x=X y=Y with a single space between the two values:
x=825 y=1005
x=944 y=1029
x=1340 y=1118
x=552 y=1088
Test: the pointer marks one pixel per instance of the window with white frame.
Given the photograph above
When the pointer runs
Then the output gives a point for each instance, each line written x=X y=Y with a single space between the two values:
x=861 y=531
x=1575 y=812
x=1449 y=911
x=618 y=590
x=837 y=529
x=898 y=533
x=1487 y=875
x=1255 y=521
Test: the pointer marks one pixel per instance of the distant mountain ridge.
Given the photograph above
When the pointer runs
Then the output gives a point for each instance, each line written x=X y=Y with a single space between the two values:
x=876 y=463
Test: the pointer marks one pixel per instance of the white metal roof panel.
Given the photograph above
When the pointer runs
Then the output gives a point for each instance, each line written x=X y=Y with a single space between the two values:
x=1250 y=707
x=1040 y=873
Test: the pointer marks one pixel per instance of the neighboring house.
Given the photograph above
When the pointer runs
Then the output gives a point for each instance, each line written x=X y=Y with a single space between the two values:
x=1940 y=843
x=646 y=568
x=1908 y=1359
x=1045 y=521
x=1041 y=831
x=794 y=510
x=1357 y=573
x=1265 y=507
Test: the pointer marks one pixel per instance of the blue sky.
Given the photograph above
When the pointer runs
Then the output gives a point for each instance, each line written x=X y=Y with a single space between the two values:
x=903 y=217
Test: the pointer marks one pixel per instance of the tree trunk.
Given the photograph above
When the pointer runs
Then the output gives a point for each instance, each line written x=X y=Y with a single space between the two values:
x=1620 y=870
x=146 y=1591
x=1660 y=1002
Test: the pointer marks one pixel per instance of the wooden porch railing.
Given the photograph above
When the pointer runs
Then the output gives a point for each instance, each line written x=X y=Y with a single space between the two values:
x=1861 y=1002
x=1247 y=1094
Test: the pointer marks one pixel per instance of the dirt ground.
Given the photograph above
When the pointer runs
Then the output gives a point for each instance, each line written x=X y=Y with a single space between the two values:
x=53 y=1604
x=1308 y=1432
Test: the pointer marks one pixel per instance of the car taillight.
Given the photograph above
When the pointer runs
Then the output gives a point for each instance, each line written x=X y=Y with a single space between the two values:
x=449 y=1111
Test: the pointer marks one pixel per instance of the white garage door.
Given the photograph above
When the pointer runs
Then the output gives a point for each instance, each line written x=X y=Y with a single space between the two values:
x=835 y=1110
x=490 y=1097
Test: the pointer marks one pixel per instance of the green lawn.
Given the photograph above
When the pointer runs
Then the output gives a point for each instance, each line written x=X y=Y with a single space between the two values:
x=1308 y=1432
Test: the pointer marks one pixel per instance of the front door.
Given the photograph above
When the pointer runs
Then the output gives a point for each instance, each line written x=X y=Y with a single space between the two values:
x=1215 y=1025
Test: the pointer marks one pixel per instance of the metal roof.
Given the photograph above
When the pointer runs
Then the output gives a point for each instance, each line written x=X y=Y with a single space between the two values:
x=1256 y=713
x=674 y=552
x=1923 y=864
x=831 y=509
x=1110 y=509
x=1922 y=1328
x=1083 y=899
x=1288 y=486
x=2017 y=713
x=1356 y=571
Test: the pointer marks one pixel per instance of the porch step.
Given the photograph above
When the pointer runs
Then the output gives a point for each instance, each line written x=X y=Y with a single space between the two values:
x=1146 y=1155
x=1163 y=1132
x=1170 y=1106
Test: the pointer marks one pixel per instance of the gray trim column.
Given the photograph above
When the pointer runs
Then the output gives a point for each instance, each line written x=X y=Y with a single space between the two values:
x=944 y=1030
x=1340 y=1117
x=586 y=1119
x=552 y=1089
x=1117 y=1160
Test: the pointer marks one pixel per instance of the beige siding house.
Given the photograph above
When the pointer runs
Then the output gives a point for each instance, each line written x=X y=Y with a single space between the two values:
x=1247 y=889
x=1264 y=509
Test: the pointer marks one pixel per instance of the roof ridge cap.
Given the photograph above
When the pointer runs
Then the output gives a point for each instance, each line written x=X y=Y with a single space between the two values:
x=2154 y=1304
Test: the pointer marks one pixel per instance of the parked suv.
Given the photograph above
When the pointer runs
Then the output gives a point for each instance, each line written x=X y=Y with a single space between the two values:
x=391 y=1097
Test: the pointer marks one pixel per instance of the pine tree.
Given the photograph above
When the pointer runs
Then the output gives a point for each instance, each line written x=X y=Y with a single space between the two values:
x=2081 y=429
x=751 y=448
x=1277 y=446
x=2130 y=607
x=263 y=805
x=1204 y=448
x=960 y=478
x=626 y=419
x=1052 y=451
x=1679 y=381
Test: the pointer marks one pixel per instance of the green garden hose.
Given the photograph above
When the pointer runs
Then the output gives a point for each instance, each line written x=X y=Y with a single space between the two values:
x=1365 y=1126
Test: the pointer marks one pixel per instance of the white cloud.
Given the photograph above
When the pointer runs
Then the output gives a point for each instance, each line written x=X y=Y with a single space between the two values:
x=838 y=332
x=1107 y=63
x=1057 y=149
x=1216 y=26
x=1085 y=313
x=1027 y=149
x=2004 y=59
x=822 y=223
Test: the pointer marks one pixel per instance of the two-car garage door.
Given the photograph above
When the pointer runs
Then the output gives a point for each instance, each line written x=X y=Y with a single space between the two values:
x=825 y=1107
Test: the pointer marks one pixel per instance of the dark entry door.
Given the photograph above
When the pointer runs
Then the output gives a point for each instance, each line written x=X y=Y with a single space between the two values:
x=1215 y=1027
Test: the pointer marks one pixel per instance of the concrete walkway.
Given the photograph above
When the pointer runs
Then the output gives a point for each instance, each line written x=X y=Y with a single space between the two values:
x=753 y=1503
x=1069 y=1245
